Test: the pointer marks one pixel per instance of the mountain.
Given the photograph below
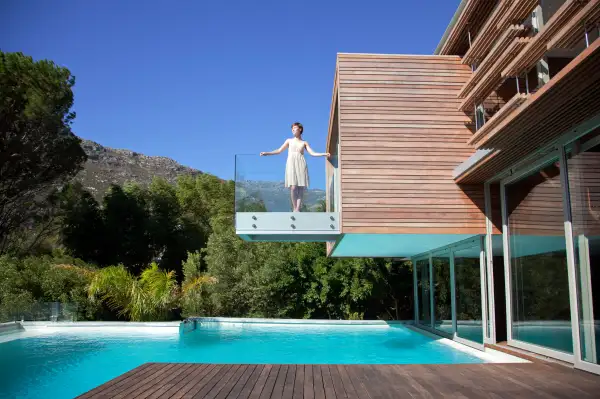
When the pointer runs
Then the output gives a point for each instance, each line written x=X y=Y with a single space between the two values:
x=251 y=195
x=106 y=166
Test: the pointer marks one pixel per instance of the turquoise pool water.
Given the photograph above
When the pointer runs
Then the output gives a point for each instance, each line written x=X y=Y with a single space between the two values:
x=73 y=360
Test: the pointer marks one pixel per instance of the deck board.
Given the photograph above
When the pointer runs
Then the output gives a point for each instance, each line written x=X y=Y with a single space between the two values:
x=243 y=381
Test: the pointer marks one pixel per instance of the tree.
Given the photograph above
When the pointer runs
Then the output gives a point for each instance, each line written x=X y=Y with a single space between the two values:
x=38 y=150
x=82 y=227
x=126 y=219
x=150 y=297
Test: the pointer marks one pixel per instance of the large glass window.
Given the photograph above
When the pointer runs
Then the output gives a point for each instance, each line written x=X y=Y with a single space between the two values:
x=541 y=313
x=442 y=297
x=423 y=292
x=468 y=293
x=583 y=166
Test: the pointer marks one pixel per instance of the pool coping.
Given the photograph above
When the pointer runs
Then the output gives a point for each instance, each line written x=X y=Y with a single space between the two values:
x=28 y=329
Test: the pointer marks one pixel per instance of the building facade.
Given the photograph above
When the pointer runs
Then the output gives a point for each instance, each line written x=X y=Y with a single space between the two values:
x=478 y=163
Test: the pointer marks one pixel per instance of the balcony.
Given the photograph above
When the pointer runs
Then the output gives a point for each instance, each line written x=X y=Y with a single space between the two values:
x=263 y=205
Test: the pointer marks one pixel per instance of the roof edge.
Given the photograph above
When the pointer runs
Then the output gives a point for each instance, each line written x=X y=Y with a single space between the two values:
x=442 y=42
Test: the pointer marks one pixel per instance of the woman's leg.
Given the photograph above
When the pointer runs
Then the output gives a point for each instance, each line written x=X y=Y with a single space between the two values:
x=299 y=196
x=293 y=195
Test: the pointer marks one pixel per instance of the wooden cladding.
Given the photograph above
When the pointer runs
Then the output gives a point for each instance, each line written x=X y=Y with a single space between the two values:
x=497 y=51
x=468 y=22
x=568 y=100
x=487 y=35
x=493 y=78
x=401 y=135
x=574 y=31
x=518 y=11
x=537 y=47
x=534 y=204
x=505 y=112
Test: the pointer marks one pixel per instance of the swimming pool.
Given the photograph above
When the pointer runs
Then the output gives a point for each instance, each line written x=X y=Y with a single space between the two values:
x=63 y=362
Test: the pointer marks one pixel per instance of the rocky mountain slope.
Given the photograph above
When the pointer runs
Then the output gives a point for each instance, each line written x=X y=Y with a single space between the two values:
x=106 y=166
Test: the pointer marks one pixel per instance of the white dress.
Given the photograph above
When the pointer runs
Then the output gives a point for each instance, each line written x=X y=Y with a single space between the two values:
x=296 y=170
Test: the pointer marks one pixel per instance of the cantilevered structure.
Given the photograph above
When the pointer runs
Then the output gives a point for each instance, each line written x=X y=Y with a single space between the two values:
x=481 y=164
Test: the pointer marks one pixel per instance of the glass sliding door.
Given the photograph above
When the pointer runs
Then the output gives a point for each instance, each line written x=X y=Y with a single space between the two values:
x=539 y=287
x=442 y=295
x=467 y=269
x=424 y=295
x=583 y=171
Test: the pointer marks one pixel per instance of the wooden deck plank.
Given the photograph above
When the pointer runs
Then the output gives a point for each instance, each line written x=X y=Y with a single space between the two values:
x=109 y=389
x=233 y=371
x=259 y=383
x=357 y=382
x=193 y=383
x=280 y=382
x=338 y=386
x=239 y=386
x=309 y=389
x=183 y=383
x=101 y=392
x=204 y=386
x=171 y=381
x=117 y=380
x=270 y=383
x=299 y=382
x=235 y=381
x=157 y=376
x=318 y=385
x=290 y=379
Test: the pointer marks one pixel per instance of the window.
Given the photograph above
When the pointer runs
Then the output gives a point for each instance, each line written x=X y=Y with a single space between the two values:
x=541 y=313
x=468 y=293
x=424 y=295
x=442 y=297
x=583 y=165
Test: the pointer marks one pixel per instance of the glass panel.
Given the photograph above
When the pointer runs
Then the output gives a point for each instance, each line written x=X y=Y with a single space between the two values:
x=541 y=313
x=468 y=293
x=442 y=299
x=424 y=296
x=488 y=327
x=260 y=184
x=584 y=185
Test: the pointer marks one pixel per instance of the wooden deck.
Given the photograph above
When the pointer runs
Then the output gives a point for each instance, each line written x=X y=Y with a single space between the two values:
x=185 y=380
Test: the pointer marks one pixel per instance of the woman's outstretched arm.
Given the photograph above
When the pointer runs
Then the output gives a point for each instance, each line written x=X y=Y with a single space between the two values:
x=316 y=154
x=278 y=151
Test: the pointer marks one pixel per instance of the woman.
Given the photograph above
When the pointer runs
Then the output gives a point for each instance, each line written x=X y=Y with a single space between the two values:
x=296 y=170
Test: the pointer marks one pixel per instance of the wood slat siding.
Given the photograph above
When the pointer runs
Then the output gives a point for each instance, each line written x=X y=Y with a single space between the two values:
x=534 y=204
x=573 y=32
x=487 y=35
x=401 y=136
x=569 y=99
x=584 y=187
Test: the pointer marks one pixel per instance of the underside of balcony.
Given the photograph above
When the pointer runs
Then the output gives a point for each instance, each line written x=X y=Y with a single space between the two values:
x=287 y=226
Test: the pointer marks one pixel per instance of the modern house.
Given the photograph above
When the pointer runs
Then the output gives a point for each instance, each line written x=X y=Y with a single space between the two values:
x=481 y=163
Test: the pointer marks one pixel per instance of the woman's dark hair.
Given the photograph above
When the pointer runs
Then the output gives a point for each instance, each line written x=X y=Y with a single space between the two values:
x=299 y=126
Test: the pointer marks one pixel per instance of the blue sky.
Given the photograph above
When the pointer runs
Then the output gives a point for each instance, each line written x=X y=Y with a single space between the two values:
x=200 y=81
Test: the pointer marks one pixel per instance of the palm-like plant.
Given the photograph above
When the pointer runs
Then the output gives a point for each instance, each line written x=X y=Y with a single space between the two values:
x=148 y=297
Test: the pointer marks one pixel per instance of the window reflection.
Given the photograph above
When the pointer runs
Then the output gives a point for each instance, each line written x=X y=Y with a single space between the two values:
x=424 y=295
x=442 y=300
x=540 y=291
x=583 y=167
x=468 y=294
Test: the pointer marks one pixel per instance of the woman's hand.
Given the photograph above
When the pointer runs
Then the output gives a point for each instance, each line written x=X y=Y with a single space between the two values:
x=262 y=154
x=328 y=155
